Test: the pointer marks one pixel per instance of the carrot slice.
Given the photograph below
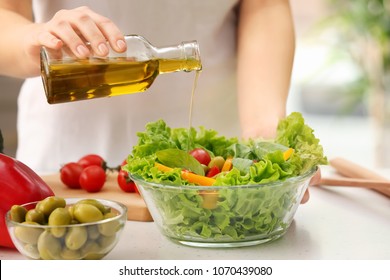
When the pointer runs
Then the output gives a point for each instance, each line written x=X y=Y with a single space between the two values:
x=210 y=198
x=162 y=167
x=197 y=179
x=190 y=177
x=227 y=165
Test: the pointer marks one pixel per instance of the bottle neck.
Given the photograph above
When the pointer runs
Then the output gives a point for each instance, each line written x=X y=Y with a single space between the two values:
x=183 y=57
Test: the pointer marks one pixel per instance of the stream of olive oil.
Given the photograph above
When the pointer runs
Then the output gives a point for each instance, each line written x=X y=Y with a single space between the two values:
x=197 y=73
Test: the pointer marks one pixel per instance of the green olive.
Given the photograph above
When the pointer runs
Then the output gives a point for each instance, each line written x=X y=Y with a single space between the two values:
x=49 y=247
x=217 y=161
x=95 y=203
x=50 y=203
x=71 y=210
x=205 y=168
x=67 y=254
x=28 y=234
x=31 y=251
x=76 y=237
x=93 y=232
x=91 y=251
x=109 y=228
x=18 y=213
x=87 y=213
x=59 y=217
x=34 y=215
x=107 y=243
x=94 y=256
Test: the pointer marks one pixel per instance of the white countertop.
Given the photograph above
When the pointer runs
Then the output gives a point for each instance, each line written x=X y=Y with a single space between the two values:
x=338 y=223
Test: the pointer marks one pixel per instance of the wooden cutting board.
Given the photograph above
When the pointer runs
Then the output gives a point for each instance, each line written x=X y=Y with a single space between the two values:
x=136 y=207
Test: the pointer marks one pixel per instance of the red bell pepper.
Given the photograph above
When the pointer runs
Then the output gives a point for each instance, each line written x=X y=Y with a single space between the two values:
x=19 y=184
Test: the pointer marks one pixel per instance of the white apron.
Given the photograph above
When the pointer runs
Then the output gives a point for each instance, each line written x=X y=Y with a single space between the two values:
x=51 y=135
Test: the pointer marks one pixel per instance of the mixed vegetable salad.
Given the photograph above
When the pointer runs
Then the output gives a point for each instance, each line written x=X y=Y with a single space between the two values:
x=183 y=157
x=163 y=154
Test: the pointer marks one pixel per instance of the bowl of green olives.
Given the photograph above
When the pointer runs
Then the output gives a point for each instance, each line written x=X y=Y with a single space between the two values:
x=57 y=228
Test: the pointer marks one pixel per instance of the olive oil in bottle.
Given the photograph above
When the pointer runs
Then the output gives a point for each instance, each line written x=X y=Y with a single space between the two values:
x=68 y=79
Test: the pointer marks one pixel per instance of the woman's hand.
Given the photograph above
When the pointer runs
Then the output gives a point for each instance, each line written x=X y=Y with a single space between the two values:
x=74 y=28
x=22 y=39
x=314 y=181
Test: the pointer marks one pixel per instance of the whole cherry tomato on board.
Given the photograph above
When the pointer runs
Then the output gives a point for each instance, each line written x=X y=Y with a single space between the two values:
x=92 y=159
x=70 y=175
x=92 y=178
x=125 y=183
x=201 y=155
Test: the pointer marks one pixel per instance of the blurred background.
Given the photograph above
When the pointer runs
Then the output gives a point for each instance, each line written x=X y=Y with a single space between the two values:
x=340 y=83
x=341 y=77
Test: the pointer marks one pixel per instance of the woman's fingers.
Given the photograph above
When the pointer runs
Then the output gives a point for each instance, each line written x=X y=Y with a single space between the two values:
x=78 y=26
x=314 y=181
x=305 y=197
x=47 y=39
x=110 y=31
x=316 y=178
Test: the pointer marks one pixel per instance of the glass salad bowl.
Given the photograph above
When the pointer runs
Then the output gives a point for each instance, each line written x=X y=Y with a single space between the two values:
x=207 y=190
x=224 y=216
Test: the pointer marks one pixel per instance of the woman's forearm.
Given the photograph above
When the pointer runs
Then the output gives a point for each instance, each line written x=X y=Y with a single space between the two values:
x=16 y=28
x=14 y=61
x=266 y=45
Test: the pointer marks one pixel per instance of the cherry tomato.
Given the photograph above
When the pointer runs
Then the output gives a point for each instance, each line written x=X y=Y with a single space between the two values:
x=92 y=178
x=213 y=171
x=125 y=183
x=201 y=155
x=70 y=174
x=92 y=159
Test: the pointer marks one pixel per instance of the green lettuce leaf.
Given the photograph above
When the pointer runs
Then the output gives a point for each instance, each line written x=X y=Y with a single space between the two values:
x=293 y=132
x=178 y=158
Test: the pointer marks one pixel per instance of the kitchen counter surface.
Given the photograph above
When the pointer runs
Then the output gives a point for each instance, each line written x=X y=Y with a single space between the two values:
x=338 y=223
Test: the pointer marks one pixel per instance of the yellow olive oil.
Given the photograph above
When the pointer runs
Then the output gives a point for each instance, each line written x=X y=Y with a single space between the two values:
x=74 y=80
x=197 y=73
